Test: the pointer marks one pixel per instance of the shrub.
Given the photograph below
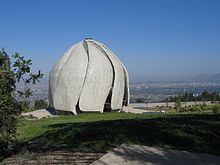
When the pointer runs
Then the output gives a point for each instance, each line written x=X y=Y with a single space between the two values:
x=216 y=110
x=40 y=104
x=140 y=100
x=9 y=107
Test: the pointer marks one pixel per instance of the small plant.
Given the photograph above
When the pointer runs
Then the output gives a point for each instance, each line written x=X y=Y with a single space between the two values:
x=216 y=110
x=178 y=104
x=40 y=104
x=140 y=100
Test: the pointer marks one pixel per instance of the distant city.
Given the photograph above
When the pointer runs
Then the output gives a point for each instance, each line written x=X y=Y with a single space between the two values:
x=150 y=91
x=159 y=91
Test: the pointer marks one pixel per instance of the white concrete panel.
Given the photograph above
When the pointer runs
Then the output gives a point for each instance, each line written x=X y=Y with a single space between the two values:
x=127 y=91
x=119 y=78
x=98 y=81
x=71 y=77
x=55 y=72
x=126 y=77
x=60 y=97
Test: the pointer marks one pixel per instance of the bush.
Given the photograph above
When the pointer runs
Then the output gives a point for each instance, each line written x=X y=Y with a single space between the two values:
x=9 y=111
x=25 y=105
x=40 y=104
x=216 y=110
x=9 y=107
x=140 y=100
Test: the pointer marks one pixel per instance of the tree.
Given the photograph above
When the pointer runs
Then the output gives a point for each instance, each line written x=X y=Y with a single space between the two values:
x=178 y=104
x=9 y=106
x=40 y=104
x=139 y=100
x=205 y=96
x=25 y=105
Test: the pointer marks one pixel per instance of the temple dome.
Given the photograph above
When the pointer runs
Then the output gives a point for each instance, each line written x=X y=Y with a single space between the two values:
x=88 y=77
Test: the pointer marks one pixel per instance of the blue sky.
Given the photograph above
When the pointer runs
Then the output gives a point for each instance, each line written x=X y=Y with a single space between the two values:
x=155 y=39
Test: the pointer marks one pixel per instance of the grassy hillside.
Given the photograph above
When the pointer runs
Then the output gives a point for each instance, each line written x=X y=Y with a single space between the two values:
x=96 y=132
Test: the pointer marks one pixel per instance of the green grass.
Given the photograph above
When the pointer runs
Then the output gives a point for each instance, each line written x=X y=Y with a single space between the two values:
x=28 y=129
x=96 y=132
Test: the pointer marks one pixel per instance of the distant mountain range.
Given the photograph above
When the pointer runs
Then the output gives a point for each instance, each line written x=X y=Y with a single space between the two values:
x=206 y=78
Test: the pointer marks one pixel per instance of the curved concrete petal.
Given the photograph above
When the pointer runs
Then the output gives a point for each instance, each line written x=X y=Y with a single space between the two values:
x=98 y=81
x=126 y=77
x=72 y=77
x=55 y=72
x=60 y=97
x=127 y=92
x=119 y=79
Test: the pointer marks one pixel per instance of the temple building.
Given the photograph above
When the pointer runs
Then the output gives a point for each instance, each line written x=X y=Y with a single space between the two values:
x=88 y=77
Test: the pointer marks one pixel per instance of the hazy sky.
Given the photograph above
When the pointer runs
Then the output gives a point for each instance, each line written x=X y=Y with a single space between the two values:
x=155 y=39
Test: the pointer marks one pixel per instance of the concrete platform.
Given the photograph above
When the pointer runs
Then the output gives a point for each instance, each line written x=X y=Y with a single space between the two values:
x=41 y=113
x=143 y=155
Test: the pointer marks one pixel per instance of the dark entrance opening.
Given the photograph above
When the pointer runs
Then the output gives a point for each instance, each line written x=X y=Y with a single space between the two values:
x=107 y=106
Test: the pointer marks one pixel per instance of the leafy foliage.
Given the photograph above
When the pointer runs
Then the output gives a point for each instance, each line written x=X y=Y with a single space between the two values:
x=140 y=100
x=178 y=104
x=22 y=72
x=9 y=107
x=25 y=105
x=40 y=104
x=216 y=109
x=204 y=96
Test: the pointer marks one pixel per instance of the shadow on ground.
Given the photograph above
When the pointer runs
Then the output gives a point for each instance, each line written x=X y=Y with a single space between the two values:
x=199 y=133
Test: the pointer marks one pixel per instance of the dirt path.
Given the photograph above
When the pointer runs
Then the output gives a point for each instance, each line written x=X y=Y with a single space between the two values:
x=57 y=157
